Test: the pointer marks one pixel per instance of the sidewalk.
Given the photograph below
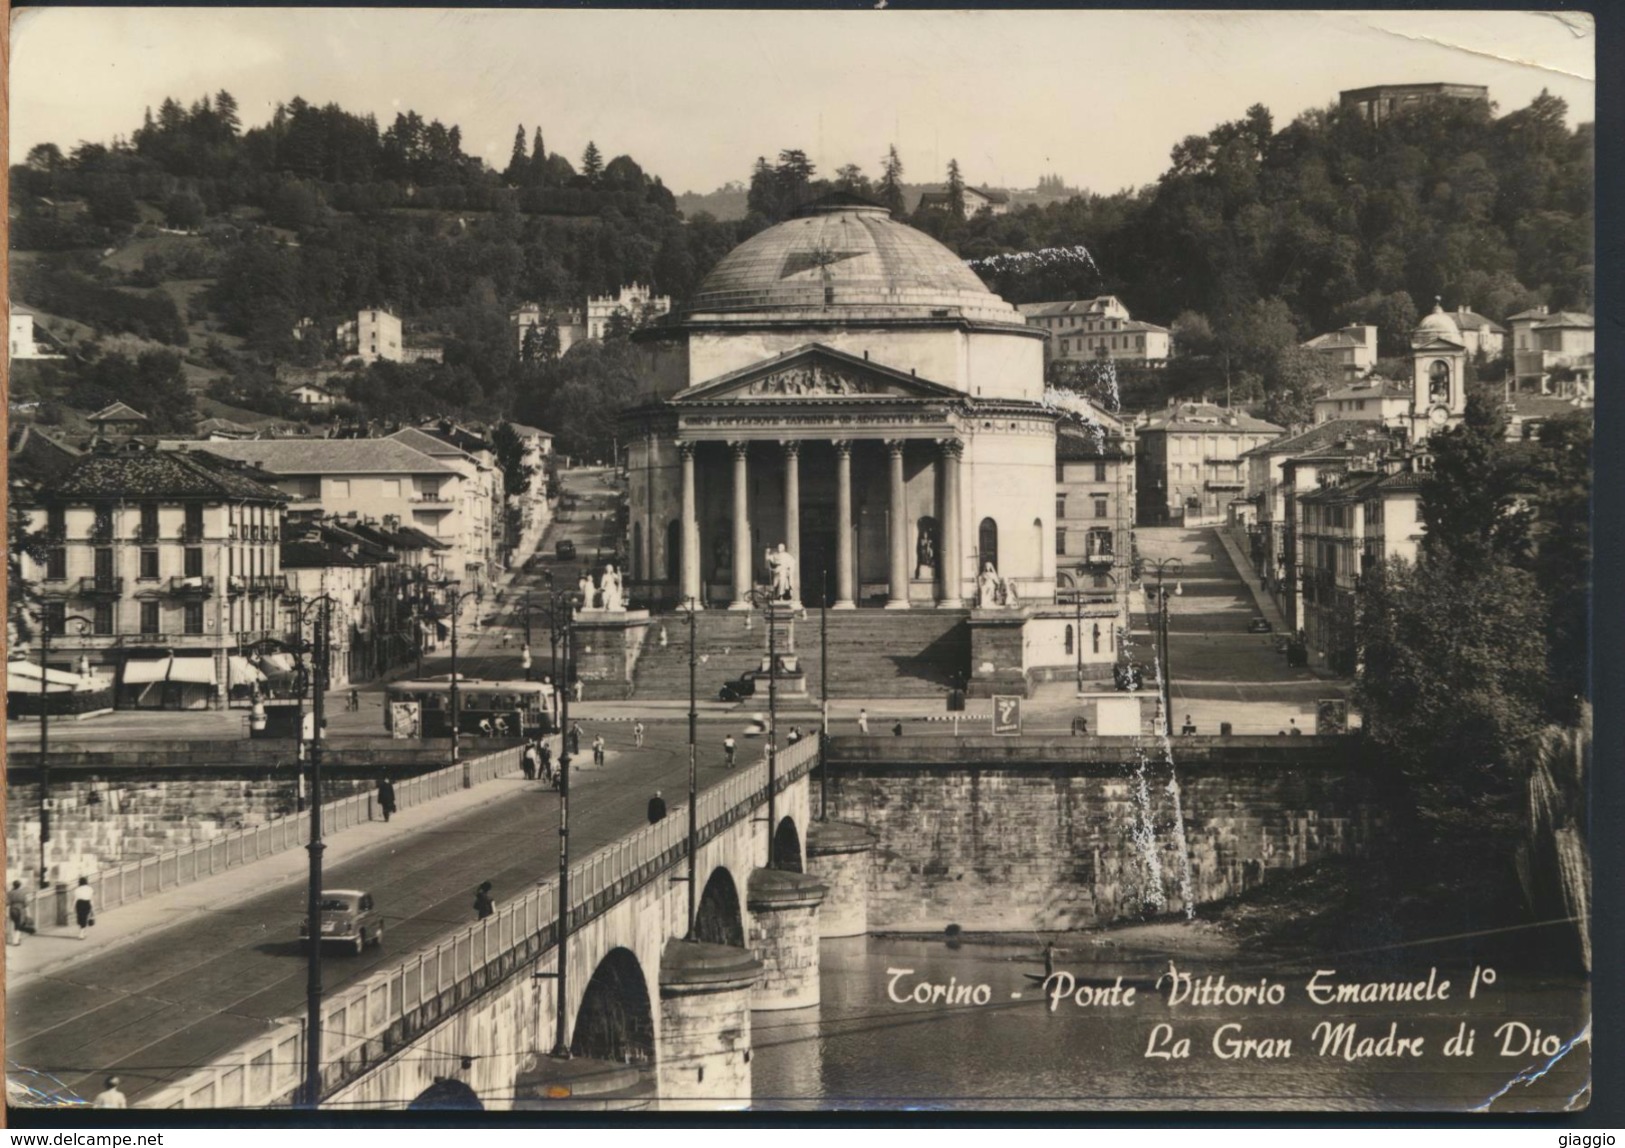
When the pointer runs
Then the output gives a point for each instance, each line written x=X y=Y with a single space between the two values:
x=54 y=949
x=1261 y=600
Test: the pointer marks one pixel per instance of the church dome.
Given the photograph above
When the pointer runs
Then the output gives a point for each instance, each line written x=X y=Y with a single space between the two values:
x=1439 y=324
x=844 y=257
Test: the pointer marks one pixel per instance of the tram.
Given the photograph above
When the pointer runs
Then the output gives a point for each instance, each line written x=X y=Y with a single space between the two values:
x=485 y=708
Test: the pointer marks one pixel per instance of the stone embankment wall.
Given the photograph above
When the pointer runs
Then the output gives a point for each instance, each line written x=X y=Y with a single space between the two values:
x=1020 y=834
x=97 y=824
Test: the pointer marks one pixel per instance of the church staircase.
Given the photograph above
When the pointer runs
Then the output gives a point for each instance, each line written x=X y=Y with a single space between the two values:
x=872 y=653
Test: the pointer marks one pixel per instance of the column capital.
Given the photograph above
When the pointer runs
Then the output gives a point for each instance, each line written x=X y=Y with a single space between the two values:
x=792 y=446
x=841 y=445
x=686 y=448
x=951 y=447
x=895 y=445
x=739 y=446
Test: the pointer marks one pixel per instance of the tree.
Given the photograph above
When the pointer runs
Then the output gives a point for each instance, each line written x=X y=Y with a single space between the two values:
x=592 y=164
x=510 y=455
x=1470 y=502
x=956 y=190
x=1562 y=563
x=518 y=162
x=891 y=183
x=184 y=210
x=225 y=114
x=850 y=178
x=541 y=172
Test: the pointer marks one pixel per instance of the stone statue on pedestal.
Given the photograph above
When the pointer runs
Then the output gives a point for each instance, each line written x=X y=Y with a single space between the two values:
x=925 y=555
x=1008 y=589
x=781 y=565
x=610 y=589
x=588 y=591
x=987 y=586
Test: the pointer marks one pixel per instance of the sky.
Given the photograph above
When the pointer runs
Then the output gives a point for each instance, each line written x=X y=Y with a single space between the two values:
x=1097 y=97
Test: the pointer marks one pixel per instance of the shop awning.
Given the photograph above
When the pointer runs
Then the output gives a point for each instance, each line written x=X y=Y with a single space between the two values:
x=23 y=677
x=197 y=670
x=140 y=671
x=243 y=672
x=279 y=665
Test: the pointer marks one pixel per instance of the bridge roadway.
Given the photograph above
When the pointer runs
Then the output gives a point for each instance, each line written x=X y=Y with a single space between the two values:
x=166 y=1002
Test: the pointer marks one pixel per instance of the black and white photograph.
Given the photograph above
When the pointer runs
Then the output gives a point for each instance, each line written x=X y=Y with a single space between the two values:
x=599 y=564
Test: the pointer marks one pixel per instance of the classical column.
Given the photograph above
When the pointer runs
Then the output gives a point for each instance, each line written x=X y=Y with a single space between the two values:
x=792 y=508
x=690 y=590
x=897 y=575
x=952 y=558
x=843 y=525
x=741 y=538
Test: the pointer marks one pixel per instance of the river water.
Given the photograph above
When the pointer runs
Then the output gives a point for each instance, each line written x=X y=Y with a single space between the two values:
x=860 y=1048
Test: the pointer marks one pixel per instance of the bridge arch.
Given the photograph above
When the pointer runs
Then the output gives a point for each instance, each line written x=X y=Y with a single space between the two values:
x=615 y=1020
x=787 y=846
x=719 y=920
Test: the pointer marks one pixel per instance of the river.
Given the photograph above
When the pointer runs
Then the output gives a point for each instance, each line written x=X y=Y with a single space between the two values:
x=861 y=1048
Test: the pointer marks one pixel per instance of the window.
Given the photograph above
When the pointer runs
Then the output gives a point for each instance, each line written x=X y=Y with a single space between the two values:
x=194 y=618
x=1060 y=506
x=149 y=618
x=987 y=543
x=1100 y=543
x=1069 y=638
x=104 y=568
x=149 y=563
x=56 y=564
x=103 y=620
x=1100 y=506
x=194 y=520
x=1100 y=472
x=1094 y=639
x=55 y=617
x=1060 y=540
x=1066 y=345
x=149 y=520
x=1060 y=472
x=56 y=522
x=194 y=562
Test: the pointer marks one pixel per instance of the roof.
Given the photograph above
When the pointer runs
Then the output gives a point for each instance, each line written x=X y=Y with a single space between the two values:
x=989 y=194
x=525 y=431
x=1568 y=319
x=1333 y=340
x=412 y=535
x=1379 y=388
x=429 y=444
x=1086 y=443
x=1542 y=407
x=331 y=456
x=1208 y=418
x=1473 y=321
x=1096 y=306
x=21 y=309
x=1405 y=480
x=163 y=474
x=118 y=412
x=1531 y=313
x=1315 y=436
x=1139 y=325
x=225 y=426
x=315 y=386
x=840 y=257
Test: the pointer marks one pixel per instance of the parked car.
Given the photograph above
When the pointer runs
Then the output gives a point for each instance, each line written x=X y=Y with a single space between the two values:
x=1260 y=626
x=350 y=918
x=565 y=549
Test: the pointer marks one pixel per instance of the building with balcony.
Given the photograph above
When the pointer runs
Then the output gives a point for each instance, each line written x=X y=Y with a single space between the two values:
x=1386 y=402
x=1092 y=330
x=481 y=494
x=171 y=558
x=1352 y=351
x=1190 y=465
x=365 y=479
x=1553 y=354
x=1094 y=535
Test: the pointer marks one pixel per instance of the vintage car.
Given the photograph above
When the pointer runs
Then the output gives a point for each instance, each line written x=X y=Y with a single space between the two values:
x=1259 y=626
x=349 y=917
x=565 y=549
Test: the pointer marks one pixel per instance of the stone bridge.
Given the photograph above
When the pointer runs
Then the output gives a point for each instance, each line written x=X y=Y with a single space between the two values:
x=652 y=1014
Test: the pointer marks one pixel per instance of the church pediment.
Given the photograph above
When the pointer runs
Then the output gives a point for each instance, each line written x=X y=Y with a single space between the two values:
x=814 y=372
x=1437 y=345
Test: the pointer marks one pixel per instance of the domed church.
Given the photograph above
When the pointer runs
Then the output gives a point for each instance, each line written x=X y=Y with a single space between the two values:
x=844 y=386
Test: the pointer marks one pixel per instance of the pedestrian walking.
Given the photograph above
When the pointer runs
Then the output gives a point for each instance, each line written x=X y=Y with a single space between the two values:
x=1294 y=731
x=529 y=760
x=657 y=808
x=863 y=721
x=1189 y=727
x=579 y=687
x=897 y=730
x=84 y=907
x=16 y=913
x=728 y=748
x=484 y=906
x=544 y=761
x=355 y=701
x=795 y=735
x=110 y=1096
x=598 y=750
x=386 y=798
x=637 y=734
x=505 y=639
x=662 y=637
x=575 y=739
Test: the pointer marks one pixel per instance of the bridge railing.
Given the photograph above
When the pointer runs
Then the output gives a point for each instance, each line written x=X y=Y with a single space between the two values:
x=133 y=880
x=370 y=1020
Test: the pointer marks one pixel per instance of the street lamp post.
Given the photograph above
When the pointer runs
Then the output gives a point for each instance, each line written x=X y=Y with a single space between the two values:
x=1164 y=566
x=81 y=623
x=561 y=1036
x=823 y=691
x=454 y=602
x=693 y=765
x=758 y=595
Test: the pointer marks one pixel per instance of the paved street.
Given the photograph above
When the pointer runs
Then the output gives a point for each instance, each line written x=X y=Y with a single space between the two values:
x=171 y=999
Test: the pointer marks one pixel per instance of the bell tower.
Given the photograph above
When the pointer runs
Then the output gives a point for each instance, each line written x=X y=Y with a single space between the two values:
x=1438 y=374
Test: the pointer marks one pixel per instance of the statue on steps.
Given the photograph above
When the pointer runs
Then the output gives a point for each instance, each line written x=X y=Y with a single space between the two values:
x=987 y=586
x=610 y=589
x=587 y=591
x=781 y=566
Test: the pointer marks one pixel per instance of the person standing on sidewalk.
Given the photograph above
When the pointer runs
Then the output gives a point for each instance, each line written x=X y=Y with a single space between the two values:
x=728 y=748
x=657 y=808
x=84 y=906
x=637 y=734
x=575 y=739
x=16 y=913
x=528 y=761
x=386 y=797
x=544 y=766
x=863 y=721
x=598 y=751
x=484 y=906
